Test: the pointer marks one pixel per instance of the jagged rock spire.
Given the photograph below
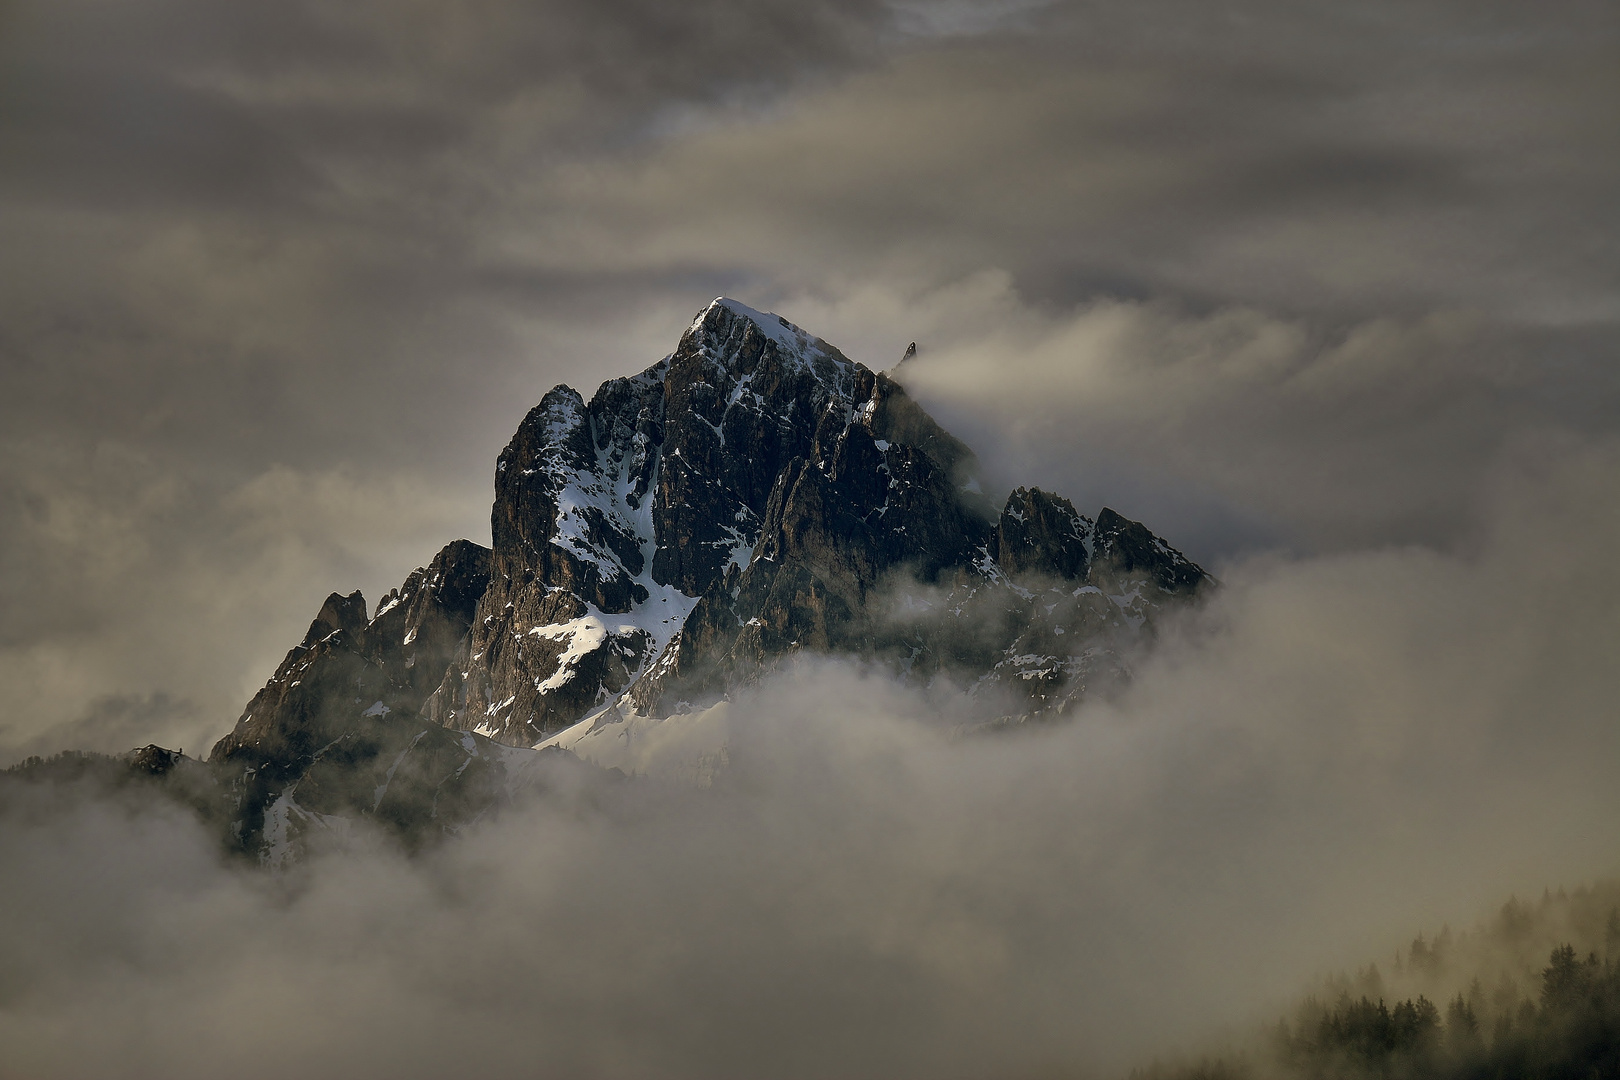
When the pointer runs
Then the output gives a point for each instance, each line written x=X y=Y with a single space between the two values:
x=752 y=495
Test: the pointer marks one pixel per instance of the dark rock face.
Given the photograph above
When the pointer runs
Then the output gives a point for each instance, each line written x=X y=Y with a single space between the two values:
x=753 y=495
x=742 y=399
x=353 y=690
x=345 y=613
x=1042 y=534
x=1126 y=548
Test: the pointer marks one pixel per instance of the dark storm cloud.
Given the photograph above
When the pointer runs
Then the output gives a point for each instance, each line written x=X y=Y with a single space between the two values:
x=196 y=103
x=1338 y=181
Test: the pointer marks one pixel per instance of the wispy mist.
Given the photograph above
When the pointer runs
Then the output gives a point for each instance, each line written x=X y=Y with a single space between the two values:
x=1333 y=753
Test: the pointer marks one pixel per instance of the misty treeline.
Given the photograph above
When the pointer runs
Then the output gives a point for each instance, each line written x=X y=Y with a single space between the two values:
x=1534 y=994
x=133 y=778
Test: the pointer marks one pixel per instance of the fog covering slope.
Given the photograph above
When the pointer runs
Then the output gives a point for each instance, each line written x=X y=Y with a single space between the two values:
x=1335 y=750
x=1533 y=991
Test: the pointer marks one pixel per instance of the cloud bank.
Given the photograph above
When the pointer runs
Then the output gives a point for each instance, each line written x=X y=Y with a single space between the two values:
x=1338 y=750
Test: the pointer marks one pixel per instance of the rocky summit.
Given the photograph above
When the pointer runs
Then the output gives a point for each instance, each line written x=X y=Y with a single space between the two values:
x=752 y=496
x=756 y=494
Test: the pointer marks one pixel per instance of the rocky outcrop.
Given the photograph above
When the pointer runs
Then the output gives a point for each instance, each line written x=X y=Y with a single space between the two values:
x=346 y=700
x=1042 y=534
x=1126 y=551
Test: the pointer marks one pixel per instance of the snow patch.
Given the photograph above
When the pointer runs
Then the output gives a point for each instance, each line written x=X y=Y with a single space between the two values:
x=585 y=636
x=278 y=829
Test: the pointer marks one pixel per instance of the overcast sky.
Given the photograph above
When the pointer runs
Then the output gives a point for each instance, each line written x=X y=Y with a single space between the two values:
x=277 y=282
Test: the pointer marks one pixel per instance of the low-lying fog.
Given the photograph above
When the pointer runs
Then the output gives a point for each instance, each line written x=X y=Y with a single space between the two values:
x=1336 y=752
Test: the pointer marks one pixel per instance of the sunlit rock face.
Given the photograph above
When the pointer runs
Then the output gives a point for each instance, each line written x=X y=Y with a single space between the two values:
x=753 y=495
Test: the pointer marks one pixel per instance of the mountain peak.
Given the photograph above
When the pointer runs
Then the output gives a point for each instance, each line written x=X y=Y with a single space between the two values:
x=723 y=310
x=728 y=331
x=753 y=495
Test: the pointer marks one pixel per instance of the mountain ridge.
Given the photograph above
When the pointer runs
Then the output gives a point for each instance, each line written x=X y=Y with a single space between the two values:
x=752 y=496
